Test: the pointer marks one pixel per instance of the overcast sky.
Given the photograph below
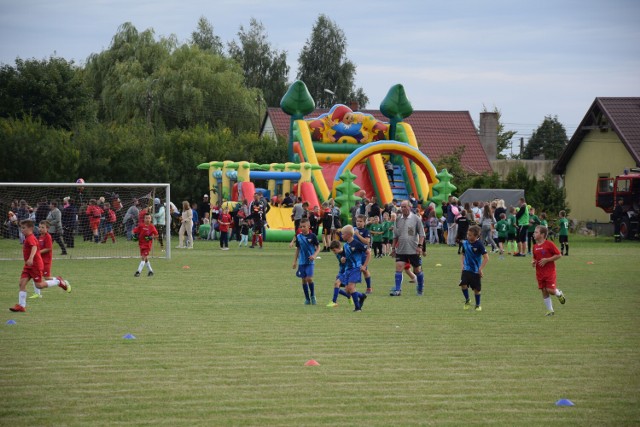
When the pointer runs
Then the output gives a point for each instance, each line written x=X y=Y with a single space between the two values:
x=528 y=58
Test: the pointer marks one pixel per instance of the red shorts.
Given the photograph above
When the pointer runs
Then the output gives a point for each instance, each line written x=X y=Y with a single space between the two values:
x=94 y=225
x=46 y=271
x=548 y=282
x=144 y=252
x=32 y=272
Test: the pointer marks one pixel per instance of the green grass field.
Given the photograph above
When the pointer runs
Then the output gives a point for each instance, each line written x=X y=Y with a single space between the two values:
x=224 y=342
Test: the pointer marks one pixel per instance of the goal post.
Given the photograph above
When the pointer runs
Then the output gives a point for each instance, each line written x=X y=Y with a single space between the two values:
x=104 y=235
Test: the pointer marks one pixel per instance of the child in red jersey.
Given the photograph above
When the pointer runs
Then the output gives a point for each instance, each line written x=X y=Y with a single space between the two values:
x=224 y=221
x=545 y=253
x=109 y=220
x=145 y=233
x=94 y=213
x=33 y=267
x=45 y=243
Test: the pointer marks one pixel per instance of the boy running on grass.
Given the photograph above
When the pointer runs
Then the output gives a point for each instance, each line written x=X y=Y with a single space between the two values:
x=354 y=252
x=364 y=237
x=307 y=249
x=45 y=244
x=146 y=232
x=474 y=258
x=545 y=253
x=33 y=267
x=341 y=281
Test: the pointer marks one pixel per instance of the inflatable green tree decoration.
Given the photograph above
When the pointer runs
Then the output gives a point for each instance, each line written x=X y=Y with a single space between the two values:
x=396 y=107
x=347 y=198
x=297 y=101
x=444 y=188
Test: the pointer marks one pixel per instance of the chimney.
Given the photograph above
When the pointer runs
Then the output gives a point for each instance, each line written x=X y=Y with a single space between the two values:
x=489 y=134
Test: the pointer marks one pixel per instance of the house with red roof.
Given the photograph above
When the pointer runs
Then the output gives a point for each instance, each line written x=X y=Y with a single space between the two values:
x=438 y=133
x=605 y=144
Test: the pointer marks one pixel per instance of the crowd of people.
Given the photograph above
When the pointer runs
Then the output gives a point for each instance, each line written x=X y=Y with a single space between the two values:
x=401 y=230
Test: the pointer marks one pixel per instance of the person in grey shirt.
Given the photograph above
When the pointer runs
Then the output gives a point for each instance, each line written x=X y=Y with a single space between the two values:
x=408 y=246
x=297 y=213
x=55 y=225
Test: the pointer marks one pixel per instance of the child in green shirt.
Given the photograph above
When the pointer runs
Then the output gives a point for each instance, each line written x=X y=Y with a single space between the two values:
x=387 y=236
x=502 y=227
x=376 y=230
x=563 y=222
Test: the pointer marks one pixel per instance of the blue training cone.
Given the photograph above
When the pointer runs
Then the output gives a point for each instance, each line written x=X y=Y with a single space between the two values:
x=129 y=337
x=564 y=402
x=11 y=322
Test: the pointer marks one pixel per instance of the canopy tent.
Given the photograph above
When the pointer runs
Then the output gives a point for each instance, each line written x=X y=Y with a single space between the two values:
x=510 y=197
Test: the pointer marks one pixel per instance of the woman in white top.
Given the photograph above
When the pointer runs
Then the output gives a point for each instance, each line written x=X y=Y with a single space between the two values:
x=186 y=226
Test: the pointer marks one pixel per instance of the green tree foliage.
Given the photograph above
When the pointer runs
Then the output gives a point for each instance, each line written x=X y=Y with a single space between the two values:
x=504 y=136
x=549 y=140
x=323 y=64
x=34 y=152
x=264 y=67
x=170 y=86
x=205 y=38
x=52 y=90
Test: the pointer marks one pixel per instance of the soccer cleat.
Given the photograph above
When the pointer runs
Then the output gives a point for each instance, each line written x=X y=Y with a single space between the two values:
x=332 y=304
x=313 y=301
x=550 y=313
x=64 y=284
x=359 y=310
x=150 y=274
x=369 y=290
x=307 y=302
x=478 y=308
x=364 y=297
x=562 y=299
x=136 y=274
x=467 y=305
x=395 y=293
x=18 y=308
x=35 y=296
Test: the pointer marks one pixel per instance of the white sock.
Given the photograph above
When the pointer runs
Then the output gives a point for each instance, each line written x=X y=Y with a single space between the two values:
x=51 y=283
x=148 y=264
x=36 y=290
x=22 y=298
x=141 y=266
x=558 y=293
x=548 y=304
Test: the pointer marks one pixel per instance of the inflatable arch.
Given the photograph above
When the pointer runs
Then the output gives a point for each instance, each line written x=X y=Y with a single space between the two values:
x=394 y=147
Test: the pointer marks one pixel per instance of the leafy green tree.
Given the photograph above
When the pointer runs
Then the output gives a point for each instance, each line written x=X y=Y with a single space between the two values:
x=549 y=140
x=548 y=197
x=51 y=89
x=122 y=77
x=323 y=64
x=205 y=38
x=264 y=68
x=504 y=136
x=34 y=152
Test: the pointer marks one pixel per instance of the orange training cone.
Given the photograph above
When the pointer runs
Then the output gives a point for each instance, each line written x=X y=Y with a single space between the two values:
x=311 y=362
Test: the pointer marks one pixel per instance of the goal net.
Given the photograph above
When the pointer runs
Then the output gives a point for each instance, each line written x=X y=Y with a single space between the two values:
x=96 y=219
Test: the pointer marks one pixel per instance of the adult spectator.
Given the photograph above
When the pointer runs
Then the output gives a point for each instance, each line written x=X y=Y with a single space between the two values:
x=408 y=246
x=42 y=211
x=522 y=221
x=55 y=225
x=617 y=216
x=452 y=212
x=374 y=210
x=69 y=222
x=297 y=213
x=130 y=219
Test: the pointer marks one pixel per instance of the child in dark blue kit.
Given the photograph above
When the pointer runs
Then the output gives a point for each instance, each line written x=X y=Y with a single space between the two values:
x=354 y=251
x=474 y=258
x=307 y=249
x=363 y=235
x=341 y=279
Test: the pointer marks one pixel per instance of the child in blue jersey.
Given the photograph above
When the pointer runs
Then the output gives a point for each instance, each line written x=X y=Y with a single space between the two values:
x=364 y=236
x=474 y=258
x=341 y=280
x=307 y=248
x=354 y=252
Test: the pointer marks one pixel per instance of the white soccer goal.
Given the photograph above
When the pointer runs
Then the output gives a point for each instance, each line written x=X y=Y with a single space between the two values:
x=19 y=200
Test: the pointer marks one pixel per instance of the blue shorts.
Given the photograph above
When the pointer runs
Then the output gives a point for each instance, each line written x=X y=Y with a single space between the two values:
x=108 y=227
x=304 y=271
x=342 y=277
x=353 y=275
